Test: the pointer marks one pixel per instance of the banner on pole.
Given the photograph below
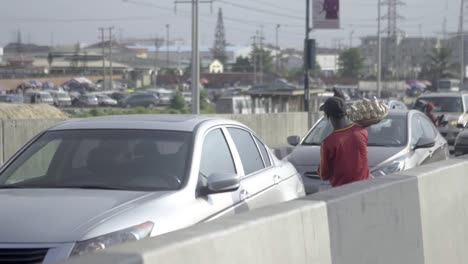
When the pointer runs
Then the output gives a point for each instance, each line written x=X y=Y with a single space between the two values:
x=326 y=14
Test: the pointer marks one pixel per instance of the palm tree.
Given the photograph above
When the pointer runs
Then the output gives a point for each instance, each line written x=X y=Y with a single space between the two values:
x=439 y=65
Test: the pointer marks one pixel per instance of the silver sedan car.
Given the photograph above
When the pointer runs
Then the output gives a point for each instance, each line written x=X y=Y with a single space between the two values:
x=403 y=140
x=86 y=185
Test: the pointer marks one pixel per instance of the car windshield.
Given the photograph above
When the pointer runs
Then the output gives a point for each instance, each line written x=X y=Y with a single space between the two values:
x=138 y=160
x=442 y=104
x=62 y=95
x=391 y=132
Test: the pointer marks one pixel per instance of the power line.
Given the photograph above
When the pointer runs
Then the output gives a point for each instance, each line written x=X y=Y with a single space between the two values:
x=259 y=10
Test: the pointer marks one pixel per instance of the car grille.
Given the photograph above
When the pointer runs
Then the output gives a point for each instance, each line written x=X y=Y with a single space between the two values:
x=22 y=256
x=312 y=175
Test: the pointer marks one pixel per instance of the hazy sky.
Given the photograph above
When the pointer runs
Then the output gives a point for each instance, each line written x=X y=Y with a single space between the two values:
x=70 y=21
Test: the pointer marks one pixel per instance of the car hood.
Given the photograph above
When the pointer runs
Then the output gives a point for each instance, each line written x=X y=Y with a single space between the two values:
x=60 y=215
x=310 y=155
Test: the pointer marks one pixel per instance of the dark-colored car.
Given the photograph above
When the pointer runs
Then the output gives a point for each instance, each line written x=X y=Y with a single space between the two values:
x=140 y=100
x=86 y=100
x=403 y=140
x=11 y=98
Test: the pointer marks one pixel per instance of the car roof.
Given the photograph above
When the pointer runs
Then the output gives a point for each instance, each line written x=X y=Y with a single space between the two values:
x=444 y=94
x=185 y=123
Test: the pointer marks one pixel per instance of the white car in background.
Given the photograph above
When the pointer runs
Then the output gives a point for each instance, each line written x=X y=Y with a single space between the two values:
x=86 y=185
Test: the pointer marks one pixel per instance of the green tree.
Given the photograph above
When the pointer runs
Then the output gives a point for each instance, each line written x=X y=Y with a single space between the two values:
x=219 y=47
x=242 y=64
x=351 y=63
x=178 y=102
x=438 y=65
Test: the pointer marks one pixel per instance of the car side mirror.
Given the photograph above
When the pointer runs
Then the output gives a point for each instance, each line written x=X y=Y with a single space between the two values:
x=460 y=126
x=294 y=140
x=222 y=183
x=425 y=143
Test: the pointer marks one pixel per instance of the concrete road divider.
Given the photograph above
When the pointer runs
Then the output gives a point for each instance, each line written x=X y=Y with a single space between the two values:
x=418 y=216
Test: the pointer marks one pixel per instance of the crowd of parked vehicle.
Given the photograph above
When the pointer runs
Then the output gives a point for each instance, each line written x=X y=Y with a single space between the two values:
x=81 y=92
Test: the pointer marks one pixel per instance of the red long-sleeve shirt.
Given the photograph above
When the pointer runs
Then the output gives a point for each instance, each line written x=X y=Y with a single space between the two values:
x=343 y=156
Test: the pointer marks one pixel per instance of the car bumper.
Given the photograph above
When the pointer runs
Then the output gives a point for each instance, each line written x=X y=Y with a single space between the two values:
x=461 y=149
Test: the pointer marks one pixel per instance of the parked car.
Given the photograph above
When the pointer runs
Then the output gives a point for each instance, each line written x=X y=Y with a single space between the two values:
x=119 y=96
x=461 y=142
x=187 y=97
x=61 y=98
x=11 y=98
x=396 y=104
x=86 y=100
x=140 y=100
x=165 y=96
x=37 y=97
x=105 y=100
x=454 y=108
x=403 y=140
x=131 y=177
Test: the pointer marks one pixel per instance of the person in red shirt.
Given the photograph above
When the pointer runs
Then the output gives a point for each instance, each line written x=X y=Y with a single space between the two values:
x=343 y=154
x=428 y=111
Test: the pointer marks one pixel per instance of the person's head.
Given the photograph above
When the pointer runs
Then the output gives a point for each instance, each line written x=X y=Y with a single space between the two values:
x=335 y=110
x=430 y=107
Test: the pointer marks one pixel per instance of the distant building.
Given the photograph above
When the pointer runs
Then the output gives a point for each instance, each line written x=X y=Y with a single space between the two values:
x=216 y=67
x=406 y=62
x=329 y=64
x=13 y=50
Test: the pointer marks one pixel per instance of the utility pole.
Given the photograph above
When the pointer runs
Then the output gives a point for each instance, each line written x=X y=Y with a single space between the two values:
x=261 y=55
x=195 y=53
x=254 y=57
x=392 y=32
x=103 y=58
x=167 y=44
x=379 y=49
x=462 y=44
x=306 y=64
x=351 y=38
x=111 y=79
x=156 y=55
x=278 y=50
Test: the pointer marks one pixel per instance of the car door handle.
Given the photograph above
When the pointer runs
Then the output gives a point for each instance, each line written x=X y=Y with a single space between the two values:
x=276 y=179
x=244 y=195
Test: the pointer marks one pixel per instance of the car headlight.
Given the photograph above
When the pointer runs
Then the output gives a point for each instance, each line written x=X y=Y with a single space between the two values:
x=395 y=166
x=453 y=123
x=123 y=236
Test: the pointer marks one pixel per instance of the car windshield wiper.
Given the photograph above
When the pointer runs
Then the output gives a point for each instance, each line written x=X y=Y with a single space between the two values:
x=14 y=187
x=311 y=144
x=90 y=187
x=379 y=145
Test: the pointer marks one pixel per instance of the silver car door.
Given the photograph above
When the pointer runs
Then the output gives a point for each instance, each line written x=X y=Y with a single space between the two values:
x=423 y=155
x=216 y=157
x=439 y=151
x=258 y=182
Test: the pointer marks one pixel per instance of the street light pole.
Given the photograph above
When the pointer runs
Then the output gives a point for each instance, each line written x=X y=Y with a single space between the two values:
x=379 y=50
x=195 y=59
x=462 y=44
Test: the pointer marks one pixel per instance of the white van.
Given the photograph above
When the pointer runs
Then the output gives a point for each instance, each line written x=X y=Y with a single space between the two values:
x=61 y=98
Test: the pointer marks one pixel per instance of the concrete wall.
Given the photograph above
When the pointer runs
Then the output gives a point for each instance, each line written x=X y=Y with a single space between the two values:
x=15 y=133
x=418 y=216
x=272 y=128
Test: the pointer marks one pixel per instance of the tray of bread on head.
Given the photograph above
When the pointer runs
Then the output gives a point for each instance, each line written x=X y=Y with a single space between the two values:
x=367 y=112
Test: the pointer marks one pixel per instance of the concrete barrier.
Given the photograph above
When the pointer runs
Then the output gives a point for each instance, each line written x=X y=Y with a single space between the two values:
x=16 y=133
x=418 y=216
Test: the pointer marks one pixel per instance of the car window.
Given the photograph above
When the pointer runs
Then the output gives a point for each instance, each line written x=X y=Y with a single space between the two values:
x=390 y=132
x=216 y=155
x=248 y=151
x=264 y=151
x=37 y=164
x=417 y=131
x=139 y=160
x=428 y=128
x=442 y=104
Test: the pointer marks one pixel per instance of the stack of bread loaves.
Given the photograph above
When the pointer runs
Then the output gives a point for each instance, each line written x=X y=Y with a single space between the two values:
x=368 y=112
